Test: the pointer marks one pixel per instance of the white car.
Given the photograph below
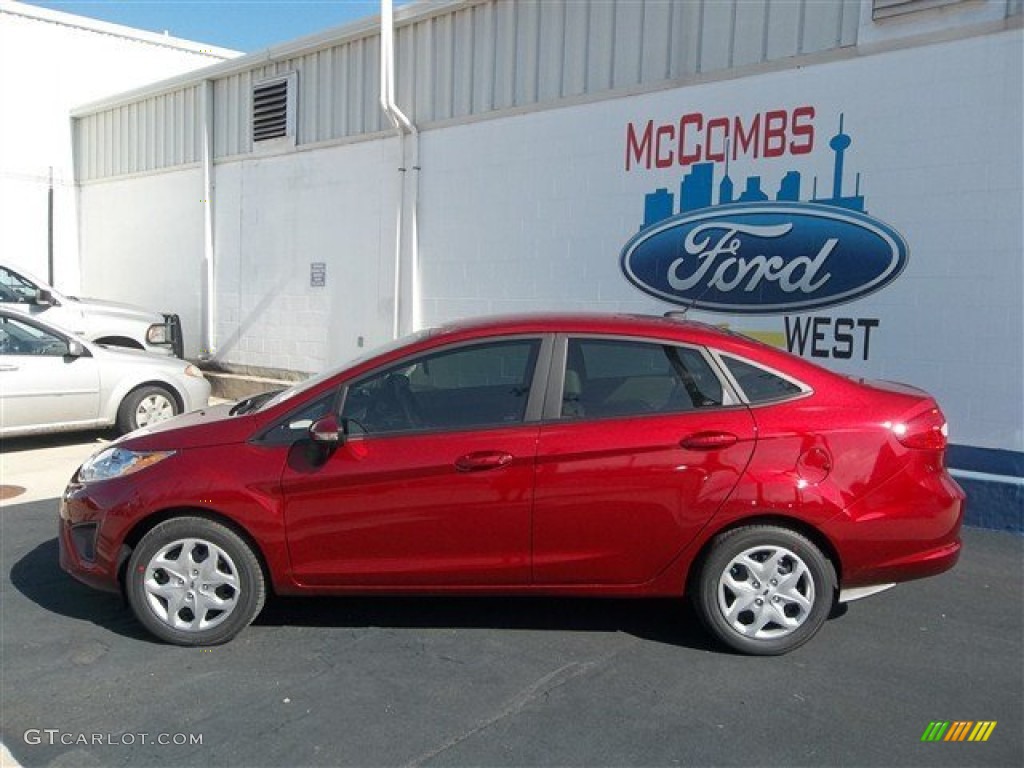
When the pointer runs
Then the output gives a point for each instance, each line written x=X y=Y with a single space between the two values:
x=104 y=322
x=53 y=381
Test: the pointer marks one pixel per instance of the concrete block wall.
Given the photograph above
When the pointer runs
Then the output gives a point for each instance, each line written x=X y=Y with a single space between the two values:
x=531 y=212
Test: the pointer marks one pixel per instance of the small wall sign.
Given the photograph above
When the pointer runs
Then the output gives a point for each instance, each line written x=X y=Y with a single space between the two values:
x=318 y=274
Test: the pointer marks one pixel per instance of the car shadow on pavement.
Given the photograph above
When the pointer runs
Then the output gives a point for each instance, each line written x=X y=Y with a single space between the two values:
x=58 y=440
x=672 y=622
x=38 y=577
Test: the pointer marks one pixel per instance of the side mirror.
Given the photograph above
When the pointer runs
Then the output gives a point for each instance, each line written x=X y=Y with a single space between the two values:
x=325 y=431
x=76 y=349
x=44 y=298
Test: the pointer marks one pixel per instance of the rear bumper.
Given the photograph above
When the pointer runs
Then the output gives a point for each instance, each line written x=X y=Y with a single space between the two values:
x=908 y=528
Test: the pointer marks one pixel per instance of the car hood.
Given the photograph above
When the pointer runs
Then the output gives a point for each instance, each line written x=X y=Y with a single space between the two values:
x=206 y=427
x=114 y=309
x=136 y=358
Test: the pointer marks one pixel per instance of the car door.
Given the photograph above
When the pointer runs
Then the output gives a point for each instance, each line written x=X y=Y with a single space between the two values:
x=641 y=444
x=42 y=385
x=433 y=485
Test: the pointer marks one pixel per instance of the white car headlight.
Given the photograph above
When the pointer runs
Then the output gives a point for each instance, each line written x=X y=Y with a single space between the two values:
x=118 y=462
x=157 y=334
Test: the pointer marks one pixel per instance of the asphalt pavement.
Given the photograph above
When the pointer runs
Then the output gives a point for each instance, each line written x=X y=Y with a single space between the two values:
x=430 y=681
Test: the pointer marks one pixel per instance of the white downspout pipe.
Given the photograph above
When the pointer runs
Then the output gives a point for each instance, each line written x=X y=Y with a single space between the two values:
x=209 y=335
x=403 y=126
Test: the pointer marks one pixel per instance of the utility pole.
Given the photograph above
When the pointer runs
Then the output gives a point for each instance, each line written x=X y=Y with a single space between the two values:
x=49 y=230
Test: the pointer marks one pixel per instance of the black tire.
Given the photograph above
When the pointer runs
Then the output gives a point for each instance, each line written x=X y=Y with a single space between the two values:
x=145 y=406
x=192 y=581
x=764 y=590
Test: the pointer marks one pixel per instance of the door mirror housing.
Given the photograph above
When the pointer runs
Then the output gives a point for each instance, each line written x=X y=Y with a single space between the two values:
x=44 y=298
x=76 y=349
x=327 y=432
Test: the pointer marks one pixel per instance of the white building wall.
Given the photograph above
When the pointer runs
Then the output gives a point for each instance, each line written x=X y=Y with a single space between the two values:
x=154 y=224
x=52 y=62
x=531 y=212
x=275 y=218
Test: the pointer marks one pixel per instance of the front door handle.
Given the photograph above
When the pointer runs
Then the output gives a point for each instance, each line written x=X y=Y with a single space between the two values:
x=481 y=460
x=708 y=441
x=8 y=367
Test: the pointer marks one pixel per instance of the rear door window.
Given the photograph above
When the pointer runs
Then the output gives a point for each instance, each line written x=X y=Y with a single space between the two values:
x=612 y=377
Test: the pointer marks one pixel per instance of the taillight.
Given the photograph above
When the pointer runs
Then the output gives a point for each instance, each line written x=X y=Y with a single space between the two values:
x=927 y=432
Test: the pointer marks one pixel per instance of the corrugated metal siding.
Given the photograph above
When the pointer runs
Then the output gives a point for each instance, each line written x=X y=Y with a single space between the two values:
x=499 y=54
x=471 y=59
x=147 y=135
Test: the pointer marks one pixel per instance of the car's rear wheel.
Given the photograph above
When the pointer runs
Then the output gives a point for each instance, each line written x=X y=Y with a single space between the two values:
x=765 y=590
x=146 y=406
x=193 y=581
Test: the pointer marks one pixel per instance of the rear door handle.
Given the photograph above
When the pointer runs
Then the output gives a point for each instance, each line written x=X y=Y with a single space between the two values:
x=708 y=441
x=481 y=460
x=8 y=368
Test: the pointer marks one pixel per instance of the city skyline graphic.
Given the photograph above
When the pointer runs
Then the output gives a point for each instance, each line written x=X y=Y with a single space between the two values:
x=696 y=190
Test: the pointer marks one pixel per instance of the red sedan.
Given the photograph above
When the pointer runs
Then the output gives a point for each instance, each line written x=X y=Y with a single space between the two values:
x=551 y=454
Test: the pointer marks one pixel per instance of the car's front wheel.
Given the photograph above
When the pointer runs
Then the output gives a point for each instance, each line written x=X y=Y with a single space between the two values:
x=146 y=406
x=764 y=590
x=193 y=581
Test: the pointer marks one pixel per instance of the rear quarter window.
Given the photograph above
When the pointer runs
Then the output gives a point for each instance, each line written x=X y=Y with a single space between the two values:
x=758 y=384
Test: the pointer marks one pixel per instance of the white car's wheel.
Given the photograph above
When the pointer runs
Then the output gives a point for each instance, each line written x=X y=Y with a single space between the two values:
x=765 y=590
x=146 y=406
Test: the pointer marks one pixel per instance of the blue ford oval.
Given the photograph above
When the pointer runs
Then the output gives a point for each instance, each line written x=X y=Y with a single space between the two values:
x=765 y=258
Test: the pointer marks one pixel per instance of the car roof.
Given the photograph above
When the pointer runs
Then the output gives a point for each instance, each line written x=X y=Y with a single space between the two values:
x=579 y=322
x=668 y=327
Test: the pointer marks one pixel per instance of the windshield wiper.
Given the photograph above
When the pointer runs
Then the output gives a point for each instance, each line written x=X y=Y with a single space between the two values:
x=250 y=404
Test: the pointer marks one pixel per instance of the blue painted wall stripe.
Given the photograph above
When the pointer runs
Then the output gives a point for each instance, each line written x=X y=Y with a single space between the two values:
x=985 y=477
x=991 y=461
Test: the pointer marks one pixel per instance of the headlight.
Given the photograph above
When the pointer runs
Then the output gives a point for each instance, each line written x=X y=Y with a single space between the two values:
x=157 y=334
x=118 y=462
x=191 y=370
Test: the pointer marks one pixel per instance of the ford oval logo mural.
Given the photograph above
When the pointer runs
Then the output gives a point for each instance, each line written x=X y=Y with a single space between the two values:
x=764 y=258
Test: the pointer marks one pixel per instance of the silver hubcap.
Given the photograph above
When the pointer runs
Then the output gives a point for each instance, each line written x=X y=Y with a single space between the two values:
x=153 y=409
x=192 y=585
x=766 y=592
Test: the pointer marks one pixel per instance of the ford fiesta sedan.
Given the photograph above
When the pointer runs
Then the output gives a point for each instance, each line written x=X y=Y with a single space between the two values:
x=555 y=455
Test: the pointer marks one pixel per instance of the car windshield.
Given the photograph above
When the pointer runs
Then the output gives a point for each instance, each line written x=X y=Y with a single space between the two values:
x=15 y=289
x=312 y=382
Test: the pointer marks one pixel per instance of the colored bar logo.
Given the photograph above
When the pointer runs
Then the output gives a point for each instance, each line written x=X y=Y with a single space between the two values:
x=958 y=730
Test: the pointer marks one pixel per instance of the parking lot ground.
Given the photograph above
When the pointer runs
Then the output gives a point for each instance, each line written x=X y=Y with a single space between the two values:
x=33 y=468
x=431 y=681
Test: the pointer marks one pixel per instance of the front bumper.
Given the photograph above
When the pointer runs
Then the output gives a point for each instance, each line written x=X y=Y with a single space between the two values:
x=87 y=552
x=168 y=339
